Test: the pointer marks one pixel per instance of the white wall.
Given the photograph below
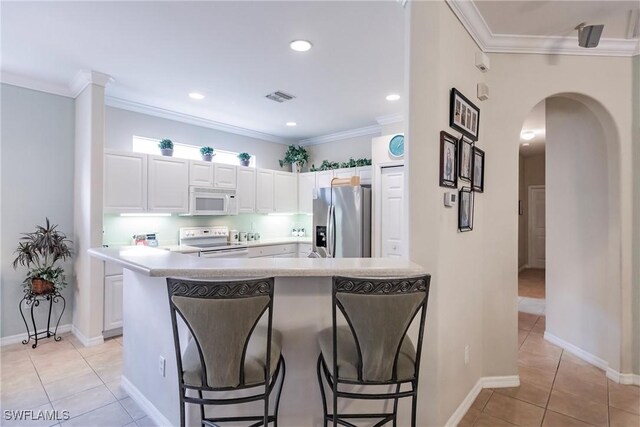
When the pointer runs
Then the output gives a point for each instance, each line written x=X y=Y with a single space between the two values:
x=37 y=182
x=636 y=215
x=122 y=125
x=517 y=84
x=441 y=57
x=531 y=172
x=340 y=151
x=582 y=305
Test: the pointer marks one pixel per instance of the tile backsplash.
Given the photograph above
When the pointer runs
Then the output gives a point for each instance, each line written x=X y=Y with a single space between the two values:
x=118 y=230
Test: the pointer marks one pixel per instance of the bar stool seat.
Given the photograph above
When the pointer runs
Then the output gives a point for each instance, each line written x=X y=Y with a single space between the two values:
x=348 y=354
x=254 y=363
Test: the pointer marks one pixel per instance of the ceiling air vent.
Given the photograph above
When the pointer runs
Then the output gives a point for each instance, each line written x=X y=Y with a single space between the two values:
x=280 y=96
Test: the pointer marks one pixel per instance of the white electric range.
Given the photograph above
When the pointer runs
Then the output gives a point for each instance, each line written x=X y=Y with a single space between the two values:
x=212 y=242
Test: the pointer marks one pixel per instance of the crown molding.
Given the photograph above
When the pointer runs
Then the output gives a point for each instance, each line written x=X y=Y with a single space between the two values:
x=390 y=119
x=477 y=27
x=86 y=77
x=34 y=84
x=352 y=133
x=192 y=120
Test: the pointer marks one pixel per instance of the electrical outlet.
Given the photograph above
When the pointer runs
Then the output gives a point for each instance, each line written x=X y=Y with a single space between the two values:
x=466 y=354
x=161 y=366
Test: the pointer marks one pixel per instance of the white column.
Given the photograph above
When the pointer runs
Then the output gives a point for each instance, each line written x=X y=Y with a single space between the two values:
x=89 y=87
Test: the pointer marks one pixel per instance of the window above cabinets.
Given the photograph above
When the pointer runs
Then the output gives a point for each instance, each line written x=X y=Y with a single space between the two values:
x=186 y=151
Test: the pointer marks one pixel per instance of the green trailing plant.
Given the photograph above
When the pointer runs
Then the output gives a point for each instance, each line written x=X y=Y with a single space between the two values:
x=166 y=144
x=295 y=154
x=40 y=251
x=352 y=163
x=206 y=151
x=245 y=157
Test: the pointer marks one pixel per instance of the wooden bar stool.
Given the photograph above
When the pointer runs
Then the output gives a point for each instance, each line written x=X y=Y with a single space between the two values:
x=227 y=352
x=373 y=348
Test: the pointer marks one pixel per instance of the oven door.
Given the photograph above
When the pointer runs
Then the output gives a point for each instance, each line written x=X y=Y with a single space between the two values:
x=225 y=253
x=208 y=204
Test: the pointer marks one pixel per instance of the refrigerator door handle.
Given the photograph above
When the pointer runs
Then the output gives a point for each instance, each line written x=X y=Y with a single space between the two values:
x=332 y=240
x=329 y=230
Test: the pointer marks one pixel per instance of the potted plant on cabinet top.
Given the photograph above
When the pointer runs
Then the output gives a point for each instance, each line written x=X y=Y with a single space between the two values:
x=166 y=147
x=40 y=251
x=207 y=153
x=296 y=157
x=244 y=158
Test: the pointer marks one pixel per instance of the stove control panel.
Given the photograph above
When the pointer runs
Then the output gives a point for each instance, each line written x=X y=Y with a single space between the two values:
x=200 y=232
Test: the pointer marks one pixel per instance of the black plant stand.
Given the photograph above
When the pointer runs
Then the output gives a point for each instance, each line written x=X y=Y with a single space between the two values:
x=33 y=300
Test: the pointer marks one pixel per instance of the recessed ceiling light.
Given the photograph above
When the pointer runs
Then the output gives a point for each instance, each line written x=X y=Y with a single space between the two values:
x=196 y=95
x=300 y=45
x=528 y=135
x=291 y=124
x=525 y=144
x=393 y=97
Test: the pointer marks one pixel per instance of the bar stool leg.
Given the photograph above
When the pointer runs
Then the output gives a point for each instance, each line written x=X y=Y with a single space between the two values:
x=284 y=371
x=324 y=399
x=395 y=407
x=414 y=404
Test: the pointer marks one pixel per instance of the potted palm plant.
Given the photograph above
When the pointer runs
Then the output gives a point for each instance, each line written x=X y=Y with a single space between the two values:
x=296 y=157
x=40 y=251
x=166 y=147
x=244 y=158
x=207 y=153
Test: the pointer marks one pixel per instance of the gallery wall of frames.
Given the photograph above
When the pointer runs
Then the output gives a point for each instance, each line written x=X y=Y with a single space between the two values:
x=461 y=161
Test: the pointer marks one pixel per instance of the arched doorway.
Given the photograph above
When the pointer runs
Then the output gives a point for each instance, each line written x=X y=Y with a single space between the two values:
x=582 y=249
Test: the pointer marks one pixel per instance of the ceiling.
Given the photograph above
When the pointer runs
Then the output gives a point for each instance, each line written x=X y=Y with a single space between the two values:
x=556 y=18
x=548 y=27
x=234 y=53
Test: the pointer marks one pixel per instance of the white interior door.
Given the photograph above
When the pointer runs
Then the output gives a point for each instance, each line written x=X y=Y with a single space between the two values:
x=392 y=211
x=536 y=227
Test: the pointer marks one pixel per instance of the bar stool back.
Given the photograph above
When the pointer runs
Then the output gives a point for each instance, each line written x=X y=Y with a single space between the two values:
x=227 y=351
x=373 y=348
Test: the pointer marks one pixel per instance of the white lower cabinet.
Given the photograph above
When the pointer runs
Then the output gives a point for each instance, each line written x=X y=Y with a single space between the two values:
x=112 y=299
x=288 y=250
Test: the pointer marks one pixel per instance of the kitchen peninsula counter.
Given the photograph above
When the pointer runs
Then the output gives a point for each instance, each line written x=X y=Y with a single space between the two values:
x=155 y=262
x=301 y=308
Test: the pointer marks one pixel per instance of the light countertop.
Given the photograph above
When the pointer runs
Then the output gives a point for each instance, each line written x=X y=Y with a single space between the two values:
x=156 y=262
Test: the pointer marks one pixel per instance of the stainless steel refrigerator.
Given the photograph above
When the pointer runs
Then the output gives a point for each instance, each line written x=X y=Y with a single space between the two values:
x=342 y=222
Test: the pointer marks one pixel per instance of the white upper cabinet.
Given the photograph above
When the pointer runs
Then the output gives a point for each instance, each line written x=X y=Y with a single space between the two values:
x=125 y=182
x=200 y=173
x=286 y=192
x=306 y=192
x=168 y=184
x=323 y=179
x=224 y=176
x=264 y=191
x=344 y=173
x=365 y=173
x=246 y=194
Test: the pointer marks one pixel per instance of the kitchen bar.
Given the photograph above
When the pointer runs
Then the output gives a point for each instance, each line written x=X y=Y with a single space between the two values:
x=302 y=307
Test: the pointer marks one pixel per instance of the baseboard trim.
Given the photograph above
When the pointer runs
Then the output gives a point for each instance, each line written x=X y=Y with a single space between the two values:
x=596 y=361
x=144 y=403
x=484 y=382
x=14 y=339
x=86 y=341
x=523 y=268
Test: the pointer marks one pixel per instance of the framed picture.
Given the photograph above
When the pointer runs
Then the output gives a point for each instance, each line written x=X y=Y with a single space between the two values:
x=464 y=116
x=448 y=164
x=465 y=158
x=477 y=181
x=465 y=209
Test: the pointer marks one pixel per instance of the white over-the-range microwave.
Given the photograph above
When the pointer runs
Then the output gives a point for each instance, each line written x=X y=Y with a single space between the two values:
x=212 y=201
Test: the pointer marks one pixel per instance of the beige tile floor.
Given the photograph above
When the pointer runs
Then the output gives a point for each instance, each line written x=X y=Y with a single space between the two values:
x=66 y=376
x=556 y=389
